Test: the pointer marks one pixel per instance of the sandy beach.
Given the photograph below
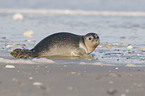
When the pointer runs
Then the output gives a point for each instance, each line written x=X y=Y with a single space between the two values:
x=71 y=80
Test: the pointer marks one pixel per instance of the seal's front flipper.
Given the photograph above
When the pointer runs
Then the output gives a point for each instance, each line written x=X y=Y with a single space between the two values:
x=85 y=56
x=80 y=53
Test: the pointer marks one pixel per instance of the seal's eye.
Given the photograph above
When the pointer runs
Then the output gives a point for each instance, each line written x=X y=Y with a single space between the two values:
x=96 y=37
x=90 y=38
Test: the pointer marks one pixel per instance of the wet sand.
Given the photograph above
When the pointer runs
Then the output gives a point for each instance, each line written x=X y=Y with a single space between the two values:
x=71 y=80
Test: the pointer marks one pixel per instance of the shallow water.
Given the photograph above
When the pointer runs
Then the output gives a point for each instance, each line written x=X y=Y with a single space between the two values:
x=122 y=37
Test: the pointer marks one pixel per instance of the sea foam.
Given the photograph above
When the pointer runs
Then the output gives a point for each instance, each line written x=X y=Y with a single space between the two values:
x=72 y=12
x=25 y=61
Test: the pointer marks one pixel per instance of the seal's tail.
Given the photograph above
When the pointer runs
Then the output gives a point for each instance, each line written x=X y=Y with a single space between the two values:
x=21 y=53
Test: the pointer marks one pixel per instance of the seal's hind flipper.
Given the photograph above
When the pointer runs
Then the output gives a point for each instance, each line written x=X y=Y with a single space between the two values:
x=21 y=53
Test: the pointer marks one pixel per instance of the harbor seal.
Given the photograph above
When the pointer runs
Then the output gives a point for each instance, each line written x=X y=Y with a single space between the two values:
x=61 y=44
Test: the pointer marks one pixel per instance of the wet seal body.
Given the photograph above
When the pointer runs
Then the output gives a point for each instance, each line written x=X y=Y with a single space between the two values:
x=61 y=44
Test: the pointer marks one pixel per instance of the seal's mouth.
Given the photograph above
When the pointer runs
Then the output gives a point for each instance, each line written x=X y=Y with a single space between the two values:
x=96 y=42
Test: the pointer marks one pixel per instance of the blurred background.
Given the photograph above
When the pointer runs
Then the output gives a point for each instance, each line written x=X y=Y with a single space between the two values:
x=99 y=5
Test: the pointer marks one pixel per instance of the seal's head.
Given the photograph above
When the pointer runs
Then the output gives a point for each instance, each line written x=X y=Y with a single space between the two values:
x=91 y=41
